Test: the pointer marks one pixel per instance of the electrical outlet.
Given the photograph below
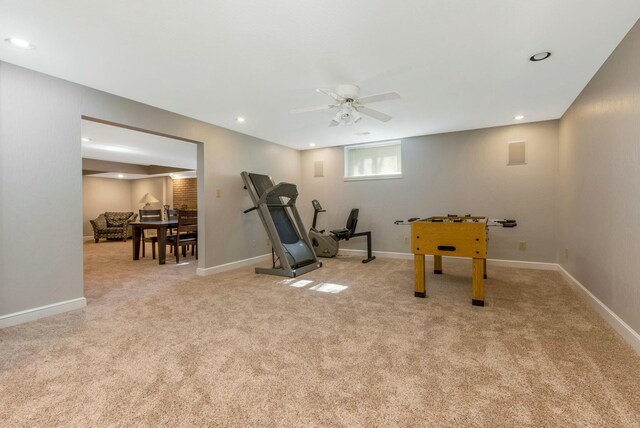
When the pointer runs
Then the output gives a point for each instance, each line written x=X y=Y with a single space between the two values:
x=253 y=244
x=407 y=240
x=522 y=245
x=269 y=243
x=217 y=193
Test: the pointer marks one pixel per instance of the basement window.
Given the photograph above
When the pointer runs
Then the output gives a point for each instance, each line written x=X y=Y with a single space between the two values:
x=373 y=161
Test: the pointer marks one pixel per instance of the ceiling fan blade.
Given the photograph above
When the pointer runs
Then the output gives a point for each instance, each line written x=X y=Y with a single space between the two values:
x=331 y=94
x=387 y=96
x=314 y=108
x=375 y=114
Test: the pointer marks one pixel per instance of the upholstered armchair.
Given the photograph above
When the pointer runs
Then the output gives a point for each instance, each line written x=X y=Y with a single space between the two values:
x=113 y=225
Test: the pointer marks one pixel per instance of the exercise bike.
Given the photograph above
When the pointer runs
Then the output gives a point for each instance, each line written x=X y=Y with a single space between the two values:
x=328 y=245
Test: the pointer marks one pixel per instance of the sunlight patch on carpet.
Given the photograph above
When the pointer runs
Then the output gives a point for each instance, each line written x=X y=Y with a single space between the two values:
x=301 y=283
x=327 y=287
x=298 y=283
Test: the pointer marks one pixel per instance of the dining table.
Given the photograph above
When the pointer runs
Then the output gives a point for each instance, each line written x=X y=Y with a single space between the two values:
x=161 y=228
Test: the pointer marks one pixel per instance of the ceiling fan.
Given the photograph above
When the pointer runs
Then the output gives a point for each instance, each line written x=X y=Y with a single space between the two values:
x=349 y=107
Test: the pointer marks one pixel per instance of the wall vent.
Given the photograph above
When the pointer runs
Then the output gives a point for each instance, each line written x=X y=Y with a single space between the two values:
x=516 y=153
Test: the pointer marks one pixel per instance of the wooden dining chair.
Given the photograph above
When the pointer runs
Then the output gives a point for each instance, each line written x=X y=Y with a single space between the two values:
x=172 y=214
x=150 y=215
x=186 y=234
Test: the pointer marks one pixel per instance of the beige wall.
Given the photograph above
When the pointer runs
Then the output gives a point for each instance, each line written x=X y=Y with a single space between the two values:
x=42 y=188
x=40 y=128
x=599 y=183
x=454 y=173
x=100 y=195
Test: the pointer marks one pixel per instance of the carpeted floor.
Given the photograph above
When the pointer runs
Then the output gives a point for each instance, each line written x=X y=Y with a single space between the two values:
x=157 y=345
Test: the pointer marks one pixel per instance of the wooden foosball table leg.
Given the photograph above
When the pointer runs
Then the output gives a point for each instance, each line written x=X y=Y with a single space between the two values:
x=418 y=268
x=437 y=265
x=477 y=287
x=484 y=267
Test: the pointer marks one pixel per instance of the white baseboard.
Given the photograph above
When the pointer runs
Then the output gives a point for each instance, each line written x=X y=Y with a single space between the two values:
x=490 y=262
x=381 y=254
x=233 y=265
x=88 y=238
x=522 y=264
x=41 y=312
x=628 y=334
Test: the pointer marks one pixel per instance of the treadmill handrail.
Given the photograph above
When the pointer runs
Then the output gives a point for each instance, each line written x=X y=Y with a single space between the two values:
x=287 y=205
x=286 y=190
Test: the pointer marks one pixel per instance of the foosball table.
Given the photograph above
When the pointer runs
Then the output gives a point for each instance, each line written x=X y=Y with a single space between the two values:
x=452 y=236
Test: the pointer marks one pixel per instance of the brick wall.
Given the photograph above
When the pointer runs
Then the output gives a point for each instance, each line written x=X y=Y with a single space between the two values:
x=185 y=192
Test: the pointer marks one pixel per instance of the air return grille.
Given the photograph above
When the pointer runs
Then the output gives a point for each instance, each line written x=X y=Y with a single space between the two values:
x=516 y=153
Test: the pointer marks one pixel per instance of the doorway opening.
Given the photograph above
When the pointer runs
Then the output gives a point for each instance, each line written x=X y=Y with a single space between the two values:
x=135 y=185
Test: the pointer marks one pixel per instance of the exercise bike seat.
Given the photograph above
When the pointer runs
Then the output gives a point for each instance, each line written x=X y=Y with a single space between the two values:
x=350 y=229
x=341 y=233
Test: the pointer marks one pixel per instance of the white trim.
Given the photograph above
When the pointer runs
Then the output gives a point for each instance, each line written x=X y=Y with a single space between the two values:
x=622 y=328
x=87 y=238
x=373 y=177
x=381 y=254
x=386 y=143
x=233 y=265
x=41 y=312
x=490 y=262
x=522 y=264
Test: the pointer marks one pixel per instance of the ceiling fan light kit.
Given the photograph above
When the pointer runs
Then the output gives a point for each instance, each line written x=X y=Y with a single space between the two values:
x=350 y=107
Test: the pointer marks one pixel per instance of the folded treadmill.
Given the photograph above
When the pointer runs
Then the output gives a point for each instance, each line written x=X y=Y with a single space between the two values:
x=292 y=252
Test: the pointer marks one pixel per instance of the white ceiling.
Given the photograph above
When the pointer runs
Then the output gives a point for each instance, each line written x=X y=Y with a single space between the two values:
x=458 y=64
x=111 y=143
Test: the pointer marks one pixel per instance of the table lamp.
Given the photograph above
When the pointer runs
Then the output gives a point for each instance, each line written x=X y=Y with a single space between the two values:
x=148 y=199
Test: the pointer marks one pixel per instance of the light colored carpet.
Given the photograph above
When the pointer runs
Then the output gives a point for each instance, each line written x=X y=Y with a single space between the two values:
x=158 y=346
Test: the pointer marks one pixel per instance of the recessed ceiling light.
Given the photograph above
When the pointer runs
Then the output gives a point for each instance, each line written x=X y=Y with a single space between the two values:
x=19 y=43
x=540 y=56
x=120 y=175
x=86 y=139
x=312 y=144
x=519 y=117
x=239 y=119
